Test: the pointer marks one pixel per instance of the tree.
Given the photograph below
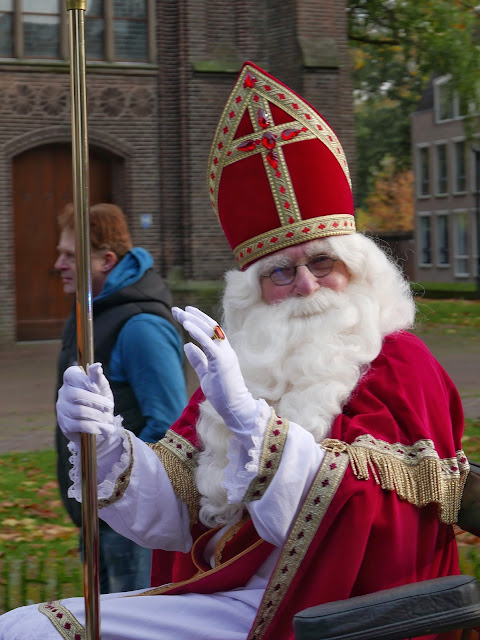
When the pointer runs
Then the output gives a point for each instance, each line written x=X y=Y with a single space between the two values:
x=397 y=47
x=382 y=130
x=389 y=205
x=406 y=41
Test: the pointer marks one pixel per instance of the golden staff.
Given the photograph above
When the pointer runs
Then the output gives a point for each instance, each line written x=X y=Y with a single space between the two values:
x=85 y=353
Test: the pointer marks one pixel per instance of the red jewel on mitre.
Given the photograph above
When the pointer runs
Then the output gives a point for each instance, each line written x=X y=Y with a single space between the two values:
x=277 y=173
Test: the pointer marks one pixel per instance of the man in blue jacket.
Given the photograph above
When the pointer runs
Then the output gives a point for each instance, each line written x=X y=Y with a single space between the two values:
x=141 y=351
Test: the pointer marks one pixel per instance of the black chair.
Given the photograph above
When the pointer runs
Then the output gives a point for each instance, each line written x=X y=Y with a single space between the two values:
x=432 y=606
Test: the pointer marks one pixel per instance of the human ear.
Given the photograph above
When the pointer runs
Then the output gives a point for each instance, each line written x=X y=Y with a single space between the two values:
x=110 y=259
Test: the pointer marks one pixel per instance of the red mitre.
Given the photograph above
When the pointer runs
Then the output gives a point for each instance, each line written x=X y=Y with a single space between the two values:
x=277 y=173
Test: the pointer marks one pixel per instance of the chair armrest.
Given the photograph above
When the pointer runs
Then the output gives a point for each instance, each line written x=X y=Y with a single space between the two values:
x=422 y=608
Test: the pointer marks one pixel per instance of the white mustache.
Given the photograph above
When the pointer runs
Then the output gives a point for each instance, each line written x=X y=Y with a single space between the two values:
x=313 y=305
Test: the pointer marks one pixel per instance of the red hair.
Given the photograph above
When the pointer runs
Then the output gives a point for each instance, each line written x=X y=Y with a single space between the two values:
x=108 y=227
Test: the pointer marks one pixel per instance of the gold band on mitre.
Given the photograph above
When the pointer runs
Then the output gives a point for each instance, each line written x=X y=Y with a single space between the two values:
x=296 y=233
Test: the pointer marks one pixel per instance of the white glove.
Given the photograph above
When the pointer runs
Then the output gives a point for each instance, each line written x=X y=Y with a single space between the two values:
x=85 y=405
x=218 y=370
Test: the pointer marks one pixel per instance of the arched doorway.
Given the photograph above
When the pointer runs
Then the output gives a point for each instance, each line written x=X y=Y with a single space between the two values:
x=42 y=185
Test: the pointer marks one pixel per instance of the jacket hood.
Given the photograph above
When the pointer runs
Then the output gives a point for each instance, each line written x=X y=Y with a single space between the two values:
x=131 y=268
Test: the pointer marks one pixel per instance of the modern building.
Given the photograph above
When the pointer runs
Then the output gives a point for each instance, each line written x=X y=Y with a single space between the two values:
x=158 y=75
x=447 y=179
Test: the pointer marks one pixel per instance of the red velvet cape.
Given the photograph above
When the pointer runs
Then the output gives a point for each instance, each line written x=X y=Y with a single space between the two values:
x=368 y=538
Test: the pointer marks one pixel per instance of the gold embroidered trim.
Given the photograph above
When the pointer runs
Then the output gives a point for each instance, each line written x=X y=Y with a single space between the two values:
x=227 y=536
x=250 y=95
x=179 y=446
x=158 y=591
x=279 y=178
x=303 y=531
x=415 y=473
x=63 y=620
x=341 y=224
x=122 y=481
x=200 y=542
x=272 y=450
x=178 y=456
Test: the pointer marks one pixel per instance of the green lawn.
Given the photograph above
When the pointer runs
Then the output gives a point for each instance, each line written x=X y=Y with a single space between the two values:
x=455 y=288
x=32 y=514
x=38 y=543
x=471 y=440
x=448 y=313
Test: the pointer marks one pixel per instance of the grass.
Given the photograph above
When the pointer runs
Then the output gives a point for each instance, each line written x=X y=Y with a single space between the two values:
x=32 y=513
x=454 y=287
x=458 y=313
x=471 y=440
x=461 y=317
x=444 y=290
x=38 y=543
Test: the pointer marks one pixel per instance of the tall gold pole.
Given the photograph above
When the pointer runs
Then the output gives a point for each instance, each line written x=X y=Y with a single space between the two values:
x=85 y=354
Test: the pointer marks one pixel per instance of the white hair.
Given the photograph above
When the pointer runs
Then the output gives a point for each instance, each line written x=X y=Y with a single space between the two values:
x=304 y=356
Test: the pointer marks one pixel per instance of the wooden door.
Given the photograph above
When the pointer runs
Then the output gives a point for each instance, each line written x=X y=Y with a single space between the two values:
x=42 y=185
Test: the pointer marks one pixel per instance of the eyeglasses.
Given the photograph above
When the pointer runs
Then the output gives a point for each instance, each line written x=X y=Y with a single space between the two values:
x=320 y=266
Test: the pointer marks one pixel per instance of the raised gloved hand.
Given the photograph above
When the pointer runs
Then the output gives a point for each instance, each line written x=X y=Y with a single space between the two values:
x=218 y=370
x=85 y=405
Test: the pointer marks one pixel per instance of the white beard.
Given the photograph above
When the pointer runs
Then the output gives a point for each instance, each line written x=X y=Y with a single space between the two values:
x=303 y=356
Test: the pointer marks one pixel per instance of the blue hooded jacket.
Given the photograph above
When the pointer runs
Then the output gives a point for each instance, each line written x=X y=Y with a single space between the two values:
x=148 y=354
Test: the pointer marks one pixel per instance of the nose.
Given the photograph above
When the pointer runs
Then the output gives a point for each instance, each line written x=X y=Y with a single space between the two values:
x=305 y=282
x=59 y=263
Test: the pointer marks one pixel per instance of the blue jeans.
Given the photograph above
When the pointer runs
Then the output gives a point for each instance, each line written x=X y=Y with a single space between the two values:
x=124 y=565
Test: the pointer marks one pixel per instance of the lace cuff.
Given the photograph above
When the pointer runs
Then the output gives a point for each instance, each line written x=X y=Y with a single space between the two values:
x=244 y=456
x=109 y=467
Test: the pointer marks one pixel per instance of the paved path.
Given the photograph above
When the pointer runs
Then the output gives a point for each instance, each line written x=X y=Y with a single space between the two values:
x=27 y=387
x=27 y=381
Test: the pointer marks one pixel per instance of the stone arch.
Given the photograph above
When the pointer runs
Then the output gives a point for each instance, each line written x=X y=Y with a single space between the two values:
x=62 y=134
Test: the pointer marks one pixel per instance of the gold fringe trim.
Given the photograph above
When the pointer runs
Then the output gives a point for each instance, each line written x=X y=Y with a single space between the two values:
x=415 y=473
x=178 y=458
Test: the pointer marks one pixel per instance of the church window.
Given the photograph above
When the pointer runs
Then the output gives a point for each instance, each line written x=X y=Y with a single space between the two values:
x=116 y=31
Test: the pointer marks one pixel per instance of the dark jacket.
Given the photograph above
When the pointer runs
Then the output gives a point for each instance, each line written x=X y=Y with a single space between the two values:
x=148 y=295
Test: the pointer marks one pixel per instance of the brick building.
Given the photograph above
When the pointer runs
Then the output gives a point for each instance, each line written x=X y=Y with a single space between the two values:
x=158 y=74
x=447 y=181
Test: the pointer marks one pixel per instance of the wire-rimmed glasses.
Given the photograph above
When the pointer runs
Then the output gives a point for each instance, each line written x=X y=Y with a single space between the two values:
x=319 y=266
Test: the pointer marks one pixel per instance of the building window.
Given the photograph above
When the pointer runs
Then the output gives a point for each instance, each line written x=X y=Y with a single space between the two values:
x=442 y=169
x=95 y=31
x=443 y=254
x=6 y=28
x=448 y=104
x=444 y=100
x=460 y=166
x=461 y=244
x=115 y=30
x=130 y=30
x=424 y=171
x=476 y=169
x=425 y=240
x=41 y=29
